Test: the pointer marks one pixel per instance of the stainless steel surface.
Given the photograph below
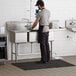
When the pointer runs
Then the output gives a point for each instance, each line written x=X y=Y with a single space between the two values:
x=71 y=25
x=32 y=36
x=51 y=35
x=16 y=25
x=18 y=37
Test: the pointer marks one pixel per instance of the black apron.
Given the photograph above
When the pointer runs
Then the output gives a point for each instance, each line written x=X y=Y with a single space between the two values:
x=39 y=35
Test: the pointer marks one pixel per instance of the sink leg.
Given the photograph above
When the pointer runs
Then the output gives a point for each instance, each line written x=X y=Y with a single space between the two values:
x=16 y=51
x=51 y=49
x=11 y=51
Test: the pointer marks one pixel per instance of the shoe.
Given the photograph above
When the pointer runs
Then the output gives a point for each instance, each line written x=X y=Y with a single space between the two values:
x=45 y=62
x=39 y=62
x=48 y=61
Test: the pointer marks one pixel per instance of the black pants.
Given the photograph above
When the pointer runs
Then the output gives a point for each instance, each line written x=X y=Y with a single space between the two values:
x=44 y=45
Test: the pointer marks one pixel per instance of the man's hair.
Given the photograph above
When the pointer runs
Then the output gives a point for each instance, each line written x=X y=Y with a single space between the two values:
x=40 y=2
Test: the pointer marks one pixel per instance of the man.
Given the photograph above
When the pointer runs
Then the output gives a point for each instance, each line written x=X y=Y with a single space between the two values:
x=43 y=19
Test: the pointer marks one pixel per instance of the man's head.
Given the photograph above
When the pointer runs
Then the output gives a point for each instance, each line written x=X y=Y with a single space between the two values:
x=40 y=4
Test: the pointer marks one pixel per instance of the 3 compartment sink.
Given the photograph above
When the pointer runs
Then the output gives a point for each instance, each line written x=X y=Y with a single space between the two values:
x=19 y=33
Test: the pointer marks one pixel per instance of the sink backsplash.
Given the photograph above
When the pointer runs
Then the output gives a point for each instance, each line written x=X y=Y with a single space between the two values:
x=16 y=25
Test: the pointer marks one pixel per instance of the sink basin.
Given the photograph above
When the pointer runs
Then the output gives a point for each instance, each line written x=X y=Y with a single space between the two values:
x=71 y=25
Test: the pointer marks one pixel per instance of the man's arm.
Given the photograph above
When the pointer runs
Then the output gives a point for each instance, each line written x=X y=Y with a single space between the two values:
x=35 y=23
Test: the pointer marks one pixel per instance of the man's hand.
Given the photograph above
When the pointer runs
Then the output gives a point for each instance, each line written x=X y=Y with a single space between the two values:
x=31 y=29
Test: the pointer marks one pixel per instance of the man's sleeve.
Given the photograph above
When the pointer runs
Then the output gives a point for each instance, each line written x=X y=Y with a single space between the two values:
x=38 y=16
